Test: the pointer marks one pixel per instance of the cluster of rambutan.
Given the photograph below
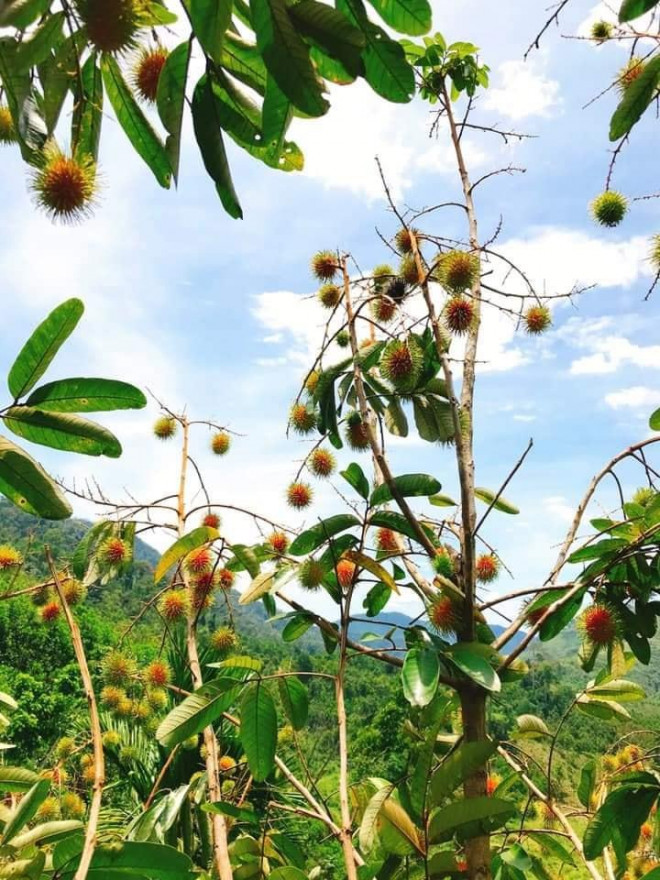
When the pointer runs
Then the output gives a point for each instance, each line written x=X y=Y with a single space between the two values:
x=66 y=804
x=134 y=694
x=47 y=599
x=165 y=427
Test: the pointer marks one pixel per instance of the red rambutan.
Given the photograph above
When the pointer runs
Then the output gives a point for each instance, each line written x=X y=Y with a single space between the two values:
x=278 y=543
x=321 y=463
x=174 y=605
x=64 y=186
x=198 y=560
x=299 y=495
x=114 y=551
x=444 y=614
x=50 y=612
x=302 y=419
x=158 y=673
x=387 y=541
x=226 y=578
x=345 y=572
x=383 y=309
x=459 y=314
x=211 y=520
x=599 y=624
x=487 y=568
x=537 y=319
x=147 y=72
x=324 y=265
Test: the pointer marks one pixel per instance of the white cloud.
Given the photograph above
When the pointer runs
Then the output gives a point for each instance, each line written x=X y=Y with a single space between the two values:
x=608 y=350
x=520 y=89
x=637 y=397
x=558 y=506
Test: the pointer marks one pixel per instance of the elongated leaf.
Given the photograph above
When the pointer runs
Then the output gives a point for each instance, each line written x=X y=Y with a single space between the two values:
x=469 y=818
x=442 y=501
x=488 y=497
x=390 y=519
x=606 y=710
x=206 y=123
x=654 y=421
x=138 y=129
x=134 y=859
x=354 y=475
x=26 y=809
x=182 y=547
x=636 y=99
x=531 y=727
x=197 y=711
x=620 y=690
x=243 y=60
x=475 y=666
x=261 y=585
x=28 y=486
x=36 y=355
x=370 y=818
x=210 y=19
x=411 y=17
x=277 y=114
x=419 y=676
x=288 y=872
x=259 y=729
x=16 y=779
x=408 y=485
x=86 y=395
x=330 y=31
x=373 y=567
x=242 y=814
x=170 y=100
x=458 y=766
x=312 y=538
x=631 y=9
x=48 y=833
x=21 y=15
x=247 y=559
x=297 y=626
x=618 y=820
x=295 y=700
x=586 y=784
x=88 y=111
x=62 y=431
x=37 y=48
x=559 y=619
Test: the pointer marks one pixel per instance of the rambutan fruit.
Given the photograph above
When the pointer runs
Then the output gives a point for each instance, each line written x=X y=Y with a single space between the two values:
x=174 y=605
x=444 y=614
x=140 y=711
x=443 y=563
x=343 y=339
x=124 y=707
x=158 y=673
x=64 y=186
x=401 y=363
x=111 y=696
x=312 y=381
x=537 y=319
x=408 y=270
x=643 y=496
x=601 y=31
x=321 y=463
x=147 y=71
x=345 y=573
x=610 y=763
x=609 y=208
x=117 y=668
x=226 y=764
x=128 y=755
x=302 y=419
x=654 y=253
x=396 y=290
x=111 y=25
x=157 y=698
x=632 y=754
x=403 y=240
x=534 y=615
x=629 y=73
x=324 y=265
x=9 y=557
x=198 y=560
x=42 y=595
x=329 y=296
x=64 y=747
x=201 y=590
x=599 y=625
x=278 y=543
x=381 y=274
x=114 y=551
x=383 y=309
x=646 y=831
x=545 y=813
x=165 y=427
x=211 y=520
x=487 y=568
x=458 y=271
x=387 y=541
x=311 y=574
x=492 y=782
x=299 y=495
x=72 y=805
x=226 y=578
x=7 y=128
x=224 y=640
x=89 y=775
x=50 y=612
x=459 y=314
x=461 y=866
x=74 y=591
x=49 y=810
x=357 y=433
x=58 y=775
x=220 y=443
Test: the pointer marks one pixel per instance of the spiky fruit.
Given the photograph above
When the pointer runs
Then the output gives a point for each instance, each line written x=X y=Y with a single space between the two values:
x=324 y=265
x=211 y=520
x=381 y=275
x=599 y=625
x=609 y=208
x=312 y=381
x=220 y=443
x=201 y=592
x=321 y=463
x=545 y=813
x=537 y=319
x=396 y=290
x=226 y=578
x=343 y=339
x=329 y=296
x=9 y=557
x=174 y=605
x=157 y=698
x=50 y=612
x=158 y=673
x=534 y=615
x=646 y=831
x=7 y=129
x=127 y=755
x=643 y=496
x=654 y=254
x=49 y=810
x=64 y=186
x=124 y=708
x=458 y=271
x=117 y=668
x=387 y=541
x=610 y=763
x=383 y=309
x=311 y=574
x=74 y=591
x=89 y=775
x=401 y=363
x=345 y=572
x=198 y=560
x=112 y=696
x=111 y=739
x=487 y=568
x=65 y=747
x=299 y=495
x=111 y=25
x=224 y=640
x=601 y=31
x=58 y=775
x=403 y=240
x=140 y=711
x=357 y=434
x=444 y=614
x=226 y=764
x=408 y=270
x=114 y=551
x=165 y=427
x=147 y=72
x=459 y=314
x=492 y=782
x=72 y=805
x=302 y=419
x=628 y=74
x=278 y=543
x=443 y=563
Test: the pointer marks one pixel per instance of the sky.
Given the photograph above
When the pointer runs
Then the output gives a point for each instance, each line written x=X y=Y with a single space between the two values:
x=218 y=315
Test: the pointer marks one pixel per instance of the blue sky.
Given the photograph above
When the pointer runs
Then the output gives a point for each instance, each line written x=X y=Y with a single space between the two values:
x=216 y=314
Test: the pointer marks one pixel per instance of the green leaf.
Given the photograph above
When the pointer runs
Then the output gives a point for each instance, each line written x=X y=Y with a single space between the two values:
x=171 y=101
x=396 y=421
x=57 y=75
x=86 y=395
x=297 y=626
x=469 y=818
x=206 y=123
x=501 y=504
x=288 y=873
x=458 y=766
x=464 y=655
x=619 y=689
x=286 y=56
x=586 y=784
x=210 y=19
x=408 y=485
x=330 y=31
x=559 y=619
x=48 y=833
x=138 y=129
x=36 y=355
x=601 y=548
x=261 y=585
x=88 y=112
x=442 y=501
x=247 y=558
x=17 y=779
x=390 y=519
x=243 y=60
x=258 y=729
x=242 y=814
x=295 y=700
x=531 y=727
x=182 y=547
x=62 y=431
x=354 y=476
x=21 y=98
x=636 y=99
x=376 y=599
x=606 y=710
x=197 y=711
x=157 y=13
x=38 y=47
x=26 y=809
x=133 y=859
x=20 y=15
x=618 y=820
x=312 y=538
x=277 y=114
x=28 y=486
x=411 y=17
x=654 y=421
x=419 y=676
x=631 y=9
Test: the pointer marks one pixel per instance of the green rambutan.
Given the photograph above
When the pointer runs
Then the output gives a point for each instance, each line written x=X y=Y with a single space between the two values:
x=343 y=339
x=7 y=128
x=158 y=673
x=644 y=496
x=629 y=73
x=381 y=274
x=601 y=31
x=408 y=270
x=165 y=427
x=321 y=463
x=329 y=296
x=444 y=614
x=654 y=254
x=10 y=557
x=124 y=707
x=174 y=605
x=42 y=595
x=357 y=433
x=115 y=551
x=383 y=309
x=72 y=805
x=224 y=640
x=599 y=625
x=403 y=240
x=112 y=696
x=387 y=541
x=147 y=71
x=128 y=755
x=111 y=25
x=345 y=573
x=50 y=612
x=458 y=271
x=459 y=313
x=401 y=363
x=64 y=747
x=74 y=591
x=49 y=810
x=487 y=568
x=443 y=563
x=537 y=319
x=299 y=495
x=212 y=521
x=198 y=560
x=117 y=668
x=278 y=543
x=311 y=574
x=324 y=265
x=157 y=698
x=609 y=208
x=140 y=711
x=220 y=443
x=302 y=419
x=64 y=186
